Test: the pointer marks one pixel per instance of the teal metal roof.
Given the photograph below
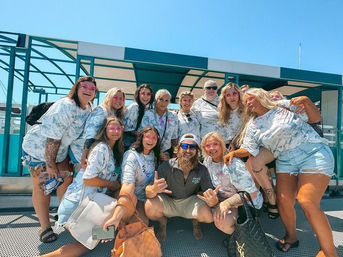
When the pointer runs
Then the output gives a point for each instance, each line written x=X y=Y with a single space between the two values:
x=54 y=67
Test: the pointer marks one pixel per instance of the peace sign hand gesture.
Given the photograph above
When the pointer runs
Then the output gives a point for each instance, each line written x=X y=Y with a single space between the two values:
x=210 y=196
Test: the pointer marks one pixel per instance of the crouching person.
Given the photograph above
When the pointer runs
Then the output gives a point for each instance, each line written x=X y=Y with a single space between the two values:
x=231 y=179
x=175 y=188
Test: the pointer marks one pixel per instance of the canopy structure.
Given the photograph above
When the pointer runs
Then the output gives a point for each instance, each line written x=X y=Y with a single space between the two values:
x=44 y=69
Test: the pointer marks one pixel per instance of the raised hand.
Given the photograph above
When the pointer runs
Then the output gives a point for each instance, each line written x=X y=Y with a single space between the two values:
x=299 y=100
x=210 y=196
x=229 y=157
x=160 y=185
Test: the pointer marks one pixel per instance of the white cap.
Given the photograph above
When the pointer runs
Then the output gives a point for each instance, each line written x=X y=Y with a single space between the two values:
x=190 y=136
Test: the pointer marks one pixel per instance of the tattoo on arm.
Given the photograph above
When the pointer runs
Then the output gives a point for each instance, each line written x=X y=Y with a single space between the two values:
x=51 y=150
x=234 y=201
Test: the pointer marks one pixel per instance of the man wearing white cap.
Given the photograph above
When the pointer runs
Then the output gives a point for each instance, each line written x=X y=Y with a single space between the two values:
x=176 y=185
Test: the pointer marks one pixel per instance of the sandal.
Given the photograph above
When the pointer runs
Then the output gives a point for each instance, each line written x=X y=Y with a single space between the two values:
x=265 y=207
x=281 y=245
x=271 y=211
x=45 y=237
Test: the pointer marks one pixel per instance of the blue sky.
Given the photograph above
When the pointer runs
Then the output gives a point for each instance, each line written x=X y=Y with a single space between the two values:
x=256 y=31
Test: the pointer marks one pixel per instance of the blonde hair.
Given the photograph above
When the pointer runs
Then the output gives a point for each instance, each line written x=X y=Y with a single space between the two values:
x=224 y=108
x=277 y=92
x=263 y=97
x=186 y=93
x=217 y=136
x=107 y=103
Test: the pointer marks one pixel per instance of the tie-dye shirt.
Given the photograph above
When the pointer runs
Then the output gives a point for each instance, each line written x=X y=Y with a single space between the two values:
x=63 y=121
x=131 y=117
x=232 y=178
x=132 y=172
x=151 y=118
x=278 y=130
x=229 y=130
x=100 y=164
x=188 y=124
x=207 y=115
x=94 y=122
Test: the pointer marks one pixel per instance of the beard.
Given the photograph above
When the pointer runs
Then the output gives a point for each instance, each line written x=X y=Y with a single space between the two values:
x=187 y=164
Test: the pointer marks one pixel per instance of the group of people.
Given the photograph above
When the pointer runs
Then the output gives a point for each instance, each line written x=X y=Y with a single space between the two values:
x=189 y=164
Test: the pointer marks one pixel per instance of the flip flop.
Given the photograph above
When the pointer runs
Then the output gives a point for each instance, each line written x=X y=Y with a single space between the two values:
x=272 y=215
x=43 y=237
x=281 y=245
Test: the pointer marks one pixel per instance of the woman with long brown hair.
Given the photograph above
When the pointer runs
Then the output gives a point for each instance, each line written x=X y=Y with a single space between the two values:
x=45 y=147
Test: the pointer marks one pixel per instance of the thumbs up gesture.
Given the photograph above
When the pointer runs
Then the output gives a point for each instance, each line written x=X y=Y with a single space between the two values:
x=160 y=185
x=210 y=196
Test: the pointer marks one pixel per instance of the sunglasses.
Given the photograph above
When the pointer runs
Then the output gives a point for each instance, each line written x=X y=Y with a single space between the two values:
x=188 y=116
x=88 y=87
x=116 y=127
x=190 y=146
x=213 y=88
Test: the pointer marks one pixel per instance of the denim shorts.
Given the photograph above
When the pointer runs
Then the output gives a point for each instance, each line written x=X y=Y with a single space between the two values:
x=72 y=158
x=30 y=161
x=65 y=210
x=308 y=158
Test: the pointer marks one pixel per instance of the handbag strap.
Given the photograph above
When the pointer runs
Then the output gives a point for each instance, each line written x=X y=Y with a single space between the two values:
x=209 y=102
x=139 y=159
x=244 y=194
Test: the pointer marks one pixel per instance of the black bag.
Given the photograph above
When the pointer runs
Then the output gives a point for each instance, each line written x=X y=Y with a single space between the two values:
x=317 y=128
x=37 y=112
x=248 y=239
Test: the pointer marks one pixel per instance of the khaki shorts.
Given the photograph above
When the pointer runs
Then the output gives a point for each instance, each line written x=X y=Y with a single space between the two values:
x=185 y=208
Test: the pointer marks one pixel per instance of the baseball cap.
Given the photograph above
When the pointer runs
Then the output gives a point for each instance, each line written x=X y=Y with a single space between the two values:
x=190 y=136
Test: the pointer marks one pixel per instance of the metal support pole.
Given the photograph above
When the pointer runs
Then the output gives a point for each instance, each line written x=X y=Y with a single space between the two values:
x=339 y=133
x=77 y=72
x=24 y=103
x=335 y=191
x=5 y=147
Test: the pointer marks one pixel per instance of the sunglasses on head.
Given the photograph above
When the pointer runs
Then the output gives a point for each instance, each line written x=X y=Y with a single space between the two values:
x=213 y=88
x=190 y=146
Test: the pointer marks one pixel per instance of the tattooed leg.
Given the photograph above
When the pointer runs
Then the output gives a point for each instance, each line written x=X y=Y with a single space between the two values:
x=51 y=150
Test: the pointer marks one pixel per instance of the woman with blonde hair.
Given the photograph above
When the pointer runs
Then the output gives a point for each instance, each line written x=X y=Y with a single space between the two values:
x=231 y=178
x=304 y=162
x=112 y=105
x=230 y=111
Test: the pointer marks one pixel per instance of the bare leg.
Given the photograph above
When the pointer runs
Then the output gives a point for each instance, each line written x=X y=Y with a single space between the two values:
x=197 y=232
x=64 y=166
x=311 y=188
x=69 y=250
x=227 y=224
x=260 y=172
x=286 y=187
x=41 y=204
x=154 y=211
